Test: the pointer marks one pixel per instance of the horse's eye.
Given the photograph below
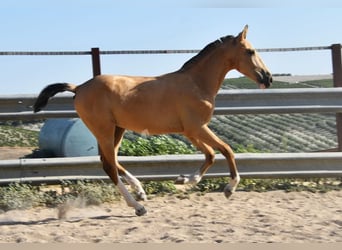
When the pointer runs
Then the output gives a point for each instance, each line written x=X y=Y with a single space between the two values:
x=251 y=52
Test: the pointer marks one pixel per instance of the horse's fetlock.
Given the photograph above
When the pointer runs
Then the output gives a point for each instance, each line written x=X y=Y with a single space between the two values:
x=141 y=196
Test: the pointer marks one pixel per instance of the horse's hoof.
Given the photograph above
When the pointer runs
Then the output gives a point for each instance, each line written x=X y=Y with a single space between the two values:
x=140 y=211
x=182 y=179
x=227 y=192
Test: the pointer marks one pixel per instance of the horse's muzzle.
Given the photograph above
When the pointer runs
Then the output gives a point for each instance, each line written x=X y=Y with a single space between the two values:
x=265 y=79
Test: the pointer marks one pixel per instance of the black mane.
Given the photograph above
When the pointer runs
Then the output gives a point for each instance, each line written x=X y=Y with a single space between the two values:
x=204 y=52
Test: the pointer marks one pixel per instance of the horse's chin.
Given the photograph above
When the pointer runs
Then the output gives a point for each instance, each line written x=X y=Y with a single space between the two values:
x=262 y=86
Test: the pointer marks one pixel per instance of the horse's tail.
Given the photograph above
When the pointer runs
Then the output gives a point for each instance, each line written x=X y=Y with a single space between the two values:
x=50 y=91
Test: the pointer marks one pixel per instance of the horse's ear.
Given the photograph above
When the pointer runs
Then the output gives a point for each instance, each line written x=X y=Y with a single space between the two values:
x=242 y=36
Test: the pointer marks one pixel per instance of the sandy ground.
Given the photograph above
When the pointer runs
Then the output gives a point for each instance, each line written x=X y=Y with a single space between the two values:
x=7 y=153
x=247 y=217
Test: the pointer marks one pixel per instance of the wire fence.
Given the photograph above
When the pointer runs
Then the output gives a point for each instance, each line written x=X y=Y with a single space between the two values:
x=128 y=52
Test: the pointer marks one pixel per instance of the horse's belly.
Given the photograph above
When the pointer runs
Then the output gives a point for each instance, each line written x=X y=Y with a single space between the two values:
x=150 y=124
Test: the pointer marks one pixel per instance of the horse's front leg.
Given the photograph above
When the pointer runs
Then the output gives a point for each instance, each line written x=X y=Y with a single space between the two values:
x=226 y=150
x=208 y=138
x=196 y=177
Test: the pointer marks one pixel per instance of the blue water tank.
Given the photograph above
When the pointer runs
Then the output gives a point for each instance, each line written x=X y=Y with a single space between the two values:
x=67 y=138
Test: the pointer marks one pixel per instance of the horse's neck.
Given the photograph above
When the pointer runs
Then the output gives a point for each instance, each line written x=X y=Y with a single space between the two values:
x=210 y=72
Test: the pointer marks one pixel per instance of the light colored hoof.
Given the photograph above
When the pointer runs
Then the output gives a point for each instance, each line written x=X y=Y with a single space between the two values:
x=140 y=211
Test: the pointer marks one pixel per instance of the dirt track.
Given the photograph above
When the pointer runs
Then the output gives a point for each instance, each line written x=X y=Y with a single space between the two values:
x=247 y=217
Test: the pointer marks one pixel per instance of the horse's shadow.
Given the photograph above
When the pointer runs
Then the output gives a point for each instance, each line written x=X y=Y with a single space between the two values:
x=71 y=220
x=26 y=223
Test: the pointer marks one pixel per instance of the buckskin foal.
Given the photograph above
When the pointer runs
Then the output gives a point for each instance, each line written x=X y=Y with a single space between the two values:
x=178 y=102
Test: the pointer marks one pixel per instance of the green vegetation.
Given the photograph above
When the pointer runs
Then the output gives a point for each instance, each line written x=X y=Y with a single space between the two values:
x=314 y=185
x=84 y=193
x=17 y=137
x=19 y=196
x=159 y=187
x=24 y=196
x=153 y=145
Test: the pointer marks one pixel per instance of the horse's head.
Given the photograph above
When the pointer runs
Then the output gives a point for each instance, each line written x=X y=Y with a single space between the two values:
x=249 y=63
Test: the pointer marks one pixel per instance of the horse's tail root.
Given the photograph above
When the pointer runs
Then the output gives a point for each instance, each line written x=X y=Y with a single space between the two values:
x=49 y=91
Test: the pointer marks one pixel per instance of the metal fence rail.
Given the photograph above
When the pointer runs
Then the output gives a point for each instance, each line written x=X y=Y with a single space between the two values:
x=308 y=100
x=168 y=167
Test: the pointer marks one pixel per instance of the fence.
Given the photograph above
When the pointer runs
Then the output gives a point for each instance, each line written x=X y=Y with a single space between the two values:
x=311 y=100
x=166 y=167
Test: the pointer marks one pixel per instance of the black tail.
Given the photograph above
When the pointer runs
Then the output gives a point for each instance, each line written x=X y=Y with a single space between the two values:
x=50 y=91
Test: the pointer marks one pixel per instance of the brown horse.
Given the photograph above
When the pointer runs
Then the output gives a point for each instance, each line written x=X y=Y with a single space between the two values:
x=178 y=102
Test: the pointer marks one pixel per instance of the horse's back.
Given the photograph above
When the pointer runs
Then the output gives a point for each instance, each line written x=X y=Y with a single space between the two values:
x=130 y=102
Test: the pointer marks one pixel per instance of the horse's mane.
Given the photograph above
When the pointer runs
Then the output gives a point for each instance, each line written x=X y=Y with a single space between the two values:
x=204 y=52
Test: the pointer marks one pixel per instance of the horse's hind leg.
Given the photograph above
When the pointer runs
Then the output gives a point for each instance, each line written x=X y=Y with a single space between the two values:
x=132 y=181
x=110 y=165
x=209 y=160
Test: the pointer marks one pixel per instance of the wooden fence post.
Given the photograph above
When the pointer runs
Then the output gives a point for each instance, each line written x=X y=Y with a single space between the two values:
x=95 y=57
x=337 y=78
